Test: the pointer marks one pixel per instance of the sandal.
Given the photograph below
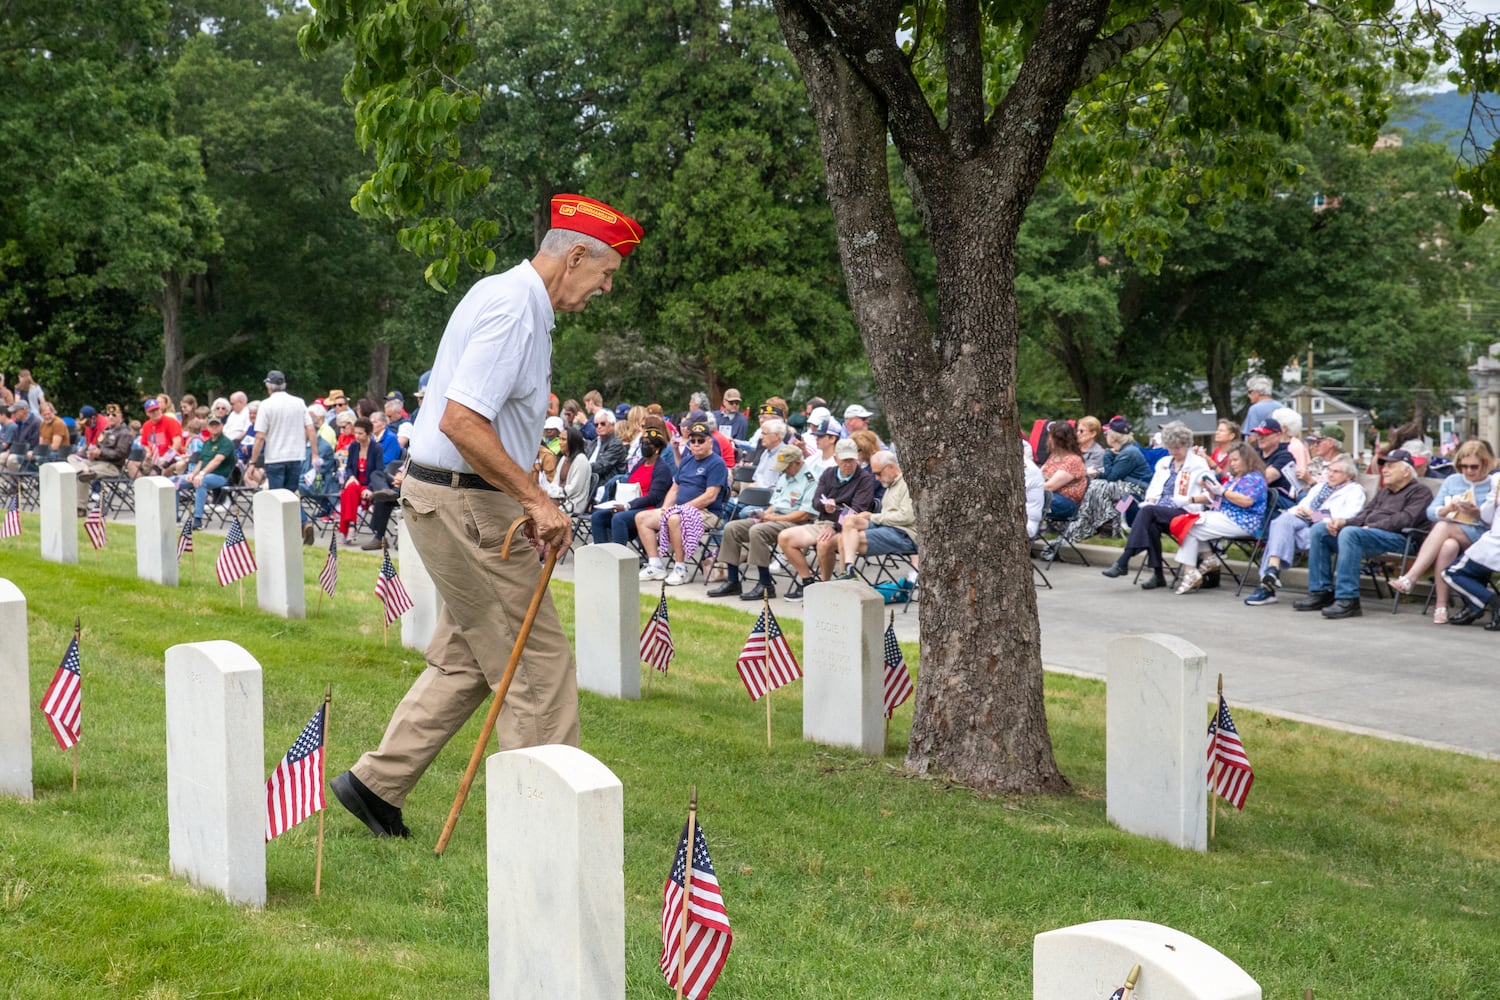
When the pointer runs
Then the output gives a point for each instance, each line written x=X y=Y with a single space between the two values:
x=1440 y=616
x=1191 y=578
x=1403 y=586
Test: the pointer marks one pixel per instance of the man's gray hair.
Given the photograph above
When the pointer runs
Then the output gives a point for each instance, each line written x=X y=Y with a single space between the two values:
x=317 y=411
x=698 y=401
x=881 y=459
x=558 y=242
x=1346 y=465
x=1176 y=434
x=777 y=427
x=1258 y=383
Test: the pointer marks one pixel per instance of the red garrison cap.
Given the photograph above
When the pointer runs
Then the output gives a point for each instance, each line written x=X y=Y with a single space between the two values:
x=594 y=218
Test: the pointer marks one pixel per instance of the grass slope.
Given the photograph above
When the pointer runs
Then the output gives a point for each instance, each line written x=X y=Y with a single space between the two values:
x=1360 y=868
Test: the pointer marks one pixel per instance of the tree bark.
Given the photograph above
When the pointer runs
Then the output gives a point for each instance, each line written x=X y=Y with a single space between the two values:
x=380 y=370
x=949 y=393
x=170 y=305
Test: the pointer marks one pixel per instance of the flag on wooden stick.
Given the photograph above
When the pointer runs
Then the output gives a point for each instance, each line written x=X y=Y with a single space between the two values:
x=766 y=663
x=295 y=789
x=185 y=539
x=63 y=702
x=94 y=525
x=390 y=591
x=12 y=526
x=656 y=639
x=708 y=939
x=328 y=579
x=235 y=559
x=897 y=677
x=1229 y=771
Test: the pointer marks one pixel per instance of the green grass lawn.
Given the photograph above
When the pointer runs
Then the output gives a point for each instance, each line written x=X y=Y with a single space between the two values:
x=1360 y=868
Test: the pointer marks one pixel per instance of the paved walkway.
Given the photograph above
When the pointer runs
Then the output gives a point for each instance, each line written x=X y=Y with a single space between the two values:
x=1395 y=676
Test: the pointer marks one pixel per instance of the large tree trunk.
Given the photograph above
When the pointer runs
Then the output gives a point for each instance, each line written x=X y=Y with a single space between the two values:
x=380 y=370
x=170 y=304
x=949 y=393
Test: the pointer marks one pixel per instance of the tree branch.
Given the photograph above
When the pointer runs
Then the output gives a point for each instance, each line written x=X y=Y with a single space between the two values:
x=1107 y=52
x=223 y=346
x=964 y=62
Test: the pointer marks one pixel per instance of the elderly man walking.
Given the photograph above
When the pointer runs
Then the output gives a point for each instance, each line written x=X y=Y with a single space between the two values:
x=468 y=480
x=1400 y=504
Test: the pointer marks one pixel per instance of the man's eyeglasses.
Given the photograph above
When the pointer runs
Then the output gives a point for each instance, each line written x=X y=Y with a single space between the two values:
x=696 y=439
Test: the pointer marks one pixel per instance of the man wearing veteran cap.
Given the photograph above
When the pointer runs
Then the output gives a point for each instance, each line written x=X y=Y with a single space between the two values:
x=755 y=536
x=469 y=478
x=1400 y=503
x=106 y=458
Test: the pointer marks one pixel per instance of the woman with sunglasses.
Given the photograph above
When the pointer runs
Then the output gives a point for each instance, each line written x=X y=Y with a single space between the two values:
x=1454 y=514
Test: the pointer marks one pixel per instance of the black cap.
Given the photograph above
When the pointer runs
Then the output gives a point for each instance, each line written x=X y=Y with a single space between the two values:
x=274 y=377
x=699 y=427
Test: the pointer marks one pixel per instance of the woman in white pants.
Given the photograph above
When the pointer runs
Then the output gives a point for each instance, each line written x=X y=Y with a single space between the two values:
x=1239 y=507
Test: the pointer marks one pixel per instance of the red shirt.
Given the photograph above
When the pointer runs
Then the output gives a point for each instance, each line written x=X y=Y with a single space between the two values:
x=157 y=435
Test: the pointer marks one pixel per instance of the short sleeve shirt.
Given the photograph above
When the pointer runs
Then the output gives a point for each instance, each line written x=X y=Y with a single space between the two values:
x=283 y=421
x=694 y=477
x=793 y=493
x=495 y=358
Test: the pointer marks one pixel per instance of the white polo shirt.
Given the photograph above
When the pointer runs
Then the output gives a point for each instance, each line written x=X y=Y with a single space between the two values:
x=283 y=421
x=495 y=358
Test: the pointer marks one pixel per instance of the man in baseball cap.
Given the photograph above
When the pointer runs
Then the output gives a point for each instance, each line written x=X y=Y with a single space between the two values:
x=754 y=537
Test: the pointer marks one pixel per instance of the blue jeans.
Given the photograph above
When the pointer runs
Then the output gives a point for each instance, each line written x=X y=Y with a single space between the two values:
x=286 y=476
x=211 y=481
x=1354 y=546
x=614 y=526
x=1062 y=507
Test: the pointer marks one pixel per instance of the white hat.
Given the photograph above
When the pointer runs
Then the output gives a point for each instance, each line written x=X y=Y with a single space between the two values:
x=855 y=410
x=555 y=424
x=817 y=416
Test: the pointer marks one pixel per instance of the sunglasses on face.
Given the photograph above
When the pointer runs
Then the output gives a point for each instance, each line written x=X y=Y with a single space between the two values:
x=1466 y=467
x=697 y=439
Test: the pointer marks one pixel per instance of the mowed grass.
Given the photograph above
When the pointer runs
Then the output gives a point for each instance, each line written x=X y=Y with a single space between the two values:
x=1360 y=868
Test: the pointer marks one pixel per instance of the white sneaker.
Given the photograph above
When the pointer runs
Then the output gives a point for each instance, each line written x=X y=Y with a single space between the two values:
x=678 y=577
x=654 y=573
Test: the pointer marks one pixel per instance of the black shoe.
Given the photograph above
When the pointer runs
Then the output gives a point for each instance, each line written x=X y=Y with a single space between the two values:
x=1271 y=578
x=1114 y=570
x=766 y=591
x=385 y=496
x=1211 y=580
x=1467 y=615
x=795 y=591
x=1316 y=601
x=383 y=819
x=726 y=589
x=1155 y=582
x=1493 y=625
x=1343 y=609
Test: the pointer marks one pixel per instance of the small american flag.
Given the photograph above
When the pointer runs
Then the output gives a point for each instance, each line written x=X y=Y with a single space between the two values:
x=708 y=932
x=185 y=540
x=766 y=663
x=12 y=526
x=897 y=678
x=388 y=588
x=329 y=578
x=656 y=639
x=94 y=525
x=235 y=559
x=63 y=702
x=1234 y=776
x=295 y=789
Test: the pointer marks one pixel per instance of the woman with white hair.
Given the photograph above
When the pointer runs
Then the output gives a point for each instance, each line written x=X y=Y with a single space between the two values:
x=1291 y=432
x=1126 y=473
x=1178 y=477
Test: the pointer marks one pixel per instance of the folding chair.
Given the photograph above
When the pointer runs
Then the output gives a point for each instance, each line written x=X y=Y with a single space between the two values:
x=1250 y=546
x=1378 y=567
x=750 y=496
x=1052 y=547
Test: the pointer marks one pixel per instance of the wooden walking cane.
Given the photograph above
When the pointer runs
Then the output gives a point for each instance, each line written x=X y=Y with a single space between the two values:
x=504 y=688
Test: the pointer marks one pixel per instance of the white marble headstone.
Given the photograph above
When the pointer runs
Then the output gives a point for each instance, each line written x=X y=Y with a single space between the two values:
x=59 y=499
x=556 y=824
x=1155 y=737
x=1092 y=960
x=216 y=785
x=156 y=530
x=278 y=553
x=15 y=694
x=607 y=602
x=843 y=694
x=418 y=623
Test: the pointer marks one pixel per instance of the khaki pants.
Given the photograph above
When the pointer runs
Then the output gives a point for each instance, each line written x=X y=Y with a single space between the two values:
x=459 y=534
x=758 y=537
x=88 y=471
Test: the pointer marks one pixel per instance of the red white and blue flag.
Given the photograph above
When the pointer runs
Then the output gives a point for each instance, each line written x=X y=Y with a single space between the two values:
x=12 y=526
x=656 y=638
x=328 y=579
x=185 y=539
x=235 y=559
x=766 y=663
x=708 y=933
x=897 y=677
x=1229 y=771
x=390 y=591
x=63 y=702
x=94 y=525
x=295 y=789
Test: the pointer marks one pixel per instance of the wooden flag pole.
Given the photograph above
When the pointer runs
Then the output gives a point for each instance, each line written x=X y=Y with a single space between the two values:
x=318 y=871
x=1213 y=767
x=687 y=890
x=1129 y=990
x=77 y=630
x=318 y=608
x=385 y=619
x=885 y=740
x=504 y=687
x=241 y=582
x=766 y=617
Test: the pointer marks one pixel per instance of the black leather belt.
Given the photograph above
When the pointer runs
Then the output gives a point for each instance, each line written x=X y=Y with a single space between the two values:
x=442 y=477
